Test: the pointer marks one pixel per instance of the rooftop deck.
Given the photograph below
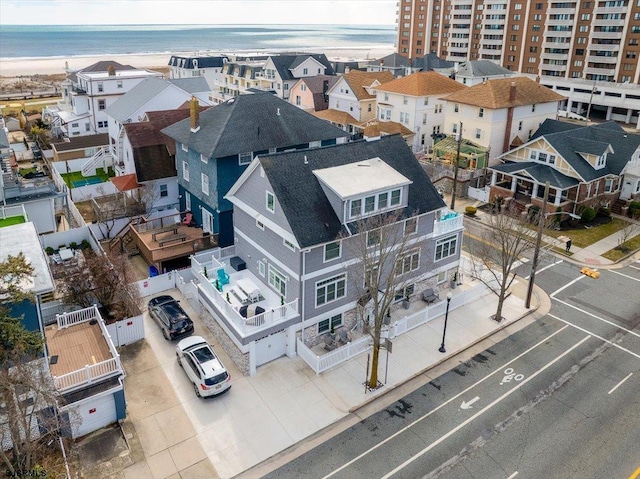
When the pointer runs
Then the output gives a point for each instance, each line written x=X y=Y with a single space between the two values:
x=80 y=350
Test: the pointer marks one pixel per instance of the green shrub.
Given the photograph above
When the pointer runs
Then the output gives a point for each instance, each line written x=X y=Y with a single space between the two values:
x=49 y=250
x=604 y=212
x=73 y=245
x=634 y=209
x=588 y=214
x=62 y=246
x=85 y=244
x=471 y=210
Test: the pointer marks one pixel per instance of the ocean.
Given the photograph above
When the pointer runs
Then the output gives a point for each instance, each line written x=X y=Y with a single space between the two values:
x=57 y=41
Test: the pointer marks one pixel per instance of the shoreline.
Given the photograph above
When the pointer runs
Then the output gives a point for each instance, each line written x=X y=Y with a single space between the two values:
x=16 y=67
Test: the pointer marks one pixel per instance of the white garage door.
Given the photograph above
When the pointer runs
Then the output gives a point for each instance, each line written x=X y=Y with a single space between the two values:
x=270 y=348
x=92 y=415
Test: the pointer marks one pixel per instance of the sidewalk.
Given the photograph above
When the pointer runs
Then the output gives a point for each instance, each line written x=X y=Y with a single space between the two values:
x=589 y=256
x=285 y=407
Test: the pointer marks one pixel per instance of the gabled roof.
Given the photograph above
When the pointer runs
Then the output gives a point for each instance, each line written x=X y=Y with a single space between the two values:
x=431 y=61
x=125 y=182
x=392 y=127
x=391 y=61
x=495 y=93
x=191 y=85
x=357 y=80
x=306 y=206
x=422 y=84
x=136 y=98
x=570 y=141
x=336 y=116
x=254 y=122
x=101 y=66
x=285 y=63
x=153 y=151
x=316 y=85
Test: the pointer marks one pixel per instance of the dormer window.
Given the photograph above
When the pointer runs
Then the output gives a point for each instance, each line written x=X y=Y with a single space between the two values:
x=374 y=203
x=601 y=161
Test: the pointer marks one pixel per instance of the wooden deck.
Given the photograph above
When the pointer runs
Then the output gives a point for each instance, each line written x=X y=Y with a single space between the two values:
x=76 y=347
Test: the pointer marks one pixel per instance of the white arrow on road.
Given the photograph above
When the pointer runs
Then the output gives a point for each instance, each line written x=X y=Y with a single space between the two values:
x=467 y=404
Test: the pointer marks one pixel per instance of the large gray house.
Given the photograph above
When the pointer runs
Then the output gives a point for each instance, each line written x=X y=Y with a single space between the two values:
x=294 y=213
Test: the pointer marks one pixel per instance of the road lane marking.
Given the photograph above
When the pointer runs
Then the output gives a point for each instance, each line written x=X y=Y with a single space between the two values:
x=467 y=404
x=634 y=267
x=635 y=474
x=482 y=411
x=513 y=475
x=620 y=383
x=625 y=275
x=597 y=317
x=566 y=286
x=595 y=335
x=408 y=426
x=546 y=267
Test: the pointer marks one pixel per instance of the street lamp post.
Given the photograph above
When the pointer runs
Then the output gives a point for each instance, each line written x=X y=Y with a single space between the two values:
x=446 y=317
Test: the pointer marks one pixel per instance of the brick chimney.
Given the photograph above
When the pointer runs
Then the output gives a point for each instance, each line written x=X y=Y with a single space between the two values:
x=512 y=92
x=111 y=70
x=194 y=108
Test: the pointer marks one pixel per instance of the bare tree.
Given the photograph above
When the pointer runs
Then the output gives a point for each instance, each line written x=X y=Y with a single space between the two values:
x=626 y=234
x=380 y=246
x=26 y=391
x=106 y=279
x=503 y=239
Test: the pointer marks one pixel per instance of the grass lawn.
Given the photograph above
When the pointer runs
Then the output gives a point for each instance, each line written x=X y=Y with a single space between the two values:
x=69 y=178
x=615 y=254
x=584 y=237
x=26 y=171
x=11 y=220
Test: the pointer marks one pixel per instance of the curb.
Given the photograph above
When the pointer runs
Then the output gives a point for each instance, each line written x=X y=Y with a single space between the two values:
x=446 y=358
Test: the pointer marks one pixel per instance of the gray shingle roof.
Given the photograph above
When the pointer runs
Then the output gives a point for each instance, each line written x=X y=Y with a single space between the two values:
x=285 y=63
x=569 y=142
x=482 y=68
x=539 y=172
x=303 y=201
x=191 y=85
x=134 y=99
x=251 y=123
x=202 y=62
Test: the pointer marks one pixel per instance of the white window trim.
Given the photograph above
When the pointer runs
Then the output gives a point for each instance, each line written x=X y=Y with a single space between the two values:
x=288 y=244
x=269 y=194
x=261 y=268
x=330 y=319
x=442 y=241
x=260 y=225
x=244 y=161
x=205 y=183
x=185 y=170
x=184 y=147
x=203 y=158
x=277 y=274
x=324 y=256
x=323 y=283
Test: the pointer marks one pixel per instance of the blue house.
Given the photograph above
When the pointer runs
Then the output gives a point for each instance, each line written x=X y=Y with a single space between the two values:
x=213 y=149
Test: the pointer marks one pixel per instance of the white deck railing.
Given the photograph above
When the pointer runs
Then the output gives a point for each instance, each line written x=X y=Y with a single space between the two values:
x=87 y=375
x=326 y=361
x=448 y=223
x=90 y=373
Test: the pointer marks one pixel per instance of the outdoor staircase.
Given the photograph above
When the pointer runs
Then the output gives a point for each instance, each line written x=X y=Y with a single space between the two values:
x=102 y=156
x=123 y=240
x=616 y=207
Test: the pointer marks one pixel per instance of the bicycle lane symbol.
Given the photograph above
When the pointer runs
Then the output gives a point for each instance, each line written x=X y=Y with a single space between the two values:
x=509 y=375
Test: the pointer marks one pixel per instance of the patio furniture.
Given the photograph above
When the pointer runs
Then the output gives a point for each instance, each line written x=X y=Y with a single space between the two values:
x=329 y=343
x=223 y=277
x=65 y=253
x=343 y=336
x=182 y=237
x=188 y=219
x=237 y=263
x=429 y=296
x=249 y=288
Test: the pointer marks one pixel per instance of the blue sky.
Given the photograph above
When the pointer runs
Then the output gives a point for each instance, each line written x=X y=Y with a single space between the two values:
x=106 y=12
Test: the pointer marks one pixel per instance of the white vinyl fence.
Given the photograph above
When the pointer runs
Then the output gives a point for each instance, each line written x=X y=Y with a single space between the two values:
x=157 y=284
x=126 y=331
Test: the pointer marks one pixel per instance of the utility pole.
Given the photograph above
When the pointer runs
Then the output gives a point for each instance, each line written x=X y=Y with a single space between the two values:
x=536 y=252
x=593 y=90
x=455 y=168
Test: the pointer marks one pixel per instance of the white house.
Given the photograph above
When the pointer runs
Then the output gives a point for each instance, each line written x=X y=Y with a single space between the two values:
x=500 y=114
x=355 y=93
x=207 y=66
x=86 y=95
x=283 y=71
x=415 y=102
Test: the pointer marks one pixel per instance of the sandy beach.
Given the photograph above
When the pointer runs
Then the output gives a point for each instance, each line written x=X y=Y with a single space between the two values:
x=47 y=66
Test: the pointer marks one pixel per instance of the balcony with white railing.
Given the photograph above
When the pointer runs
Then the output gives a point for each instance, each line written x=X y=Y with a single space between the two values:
x=449 y=221
x=241 y=300
x=80 y=350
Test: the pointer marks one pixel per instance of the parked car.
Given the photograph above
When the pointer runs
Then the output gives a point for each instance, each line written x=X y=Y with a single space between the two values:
x=173 y=321
x=203 y=368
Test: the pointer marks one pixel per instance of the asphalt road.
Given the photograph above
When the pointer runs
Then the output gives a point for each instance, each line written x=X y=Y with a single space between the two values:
x=558 y=399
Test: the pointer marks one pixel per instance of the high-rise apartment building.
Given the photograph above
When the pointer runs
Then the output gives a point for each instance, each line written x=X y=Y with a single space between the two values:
x=597 y=40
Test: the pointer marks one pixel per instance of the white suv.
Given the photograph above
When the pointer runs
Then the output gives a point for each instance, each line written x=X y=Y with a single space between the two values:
x=202 y=366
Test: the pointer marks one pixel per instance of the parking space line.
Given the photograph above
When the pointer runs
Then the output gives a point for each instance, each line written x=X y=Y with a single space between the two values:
x=620 y=383
x=625 y=275
x=596 y=317
x=408 y=426
x=595 y=335
x=546 y=267
x=565 y=286
x=483 y=410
